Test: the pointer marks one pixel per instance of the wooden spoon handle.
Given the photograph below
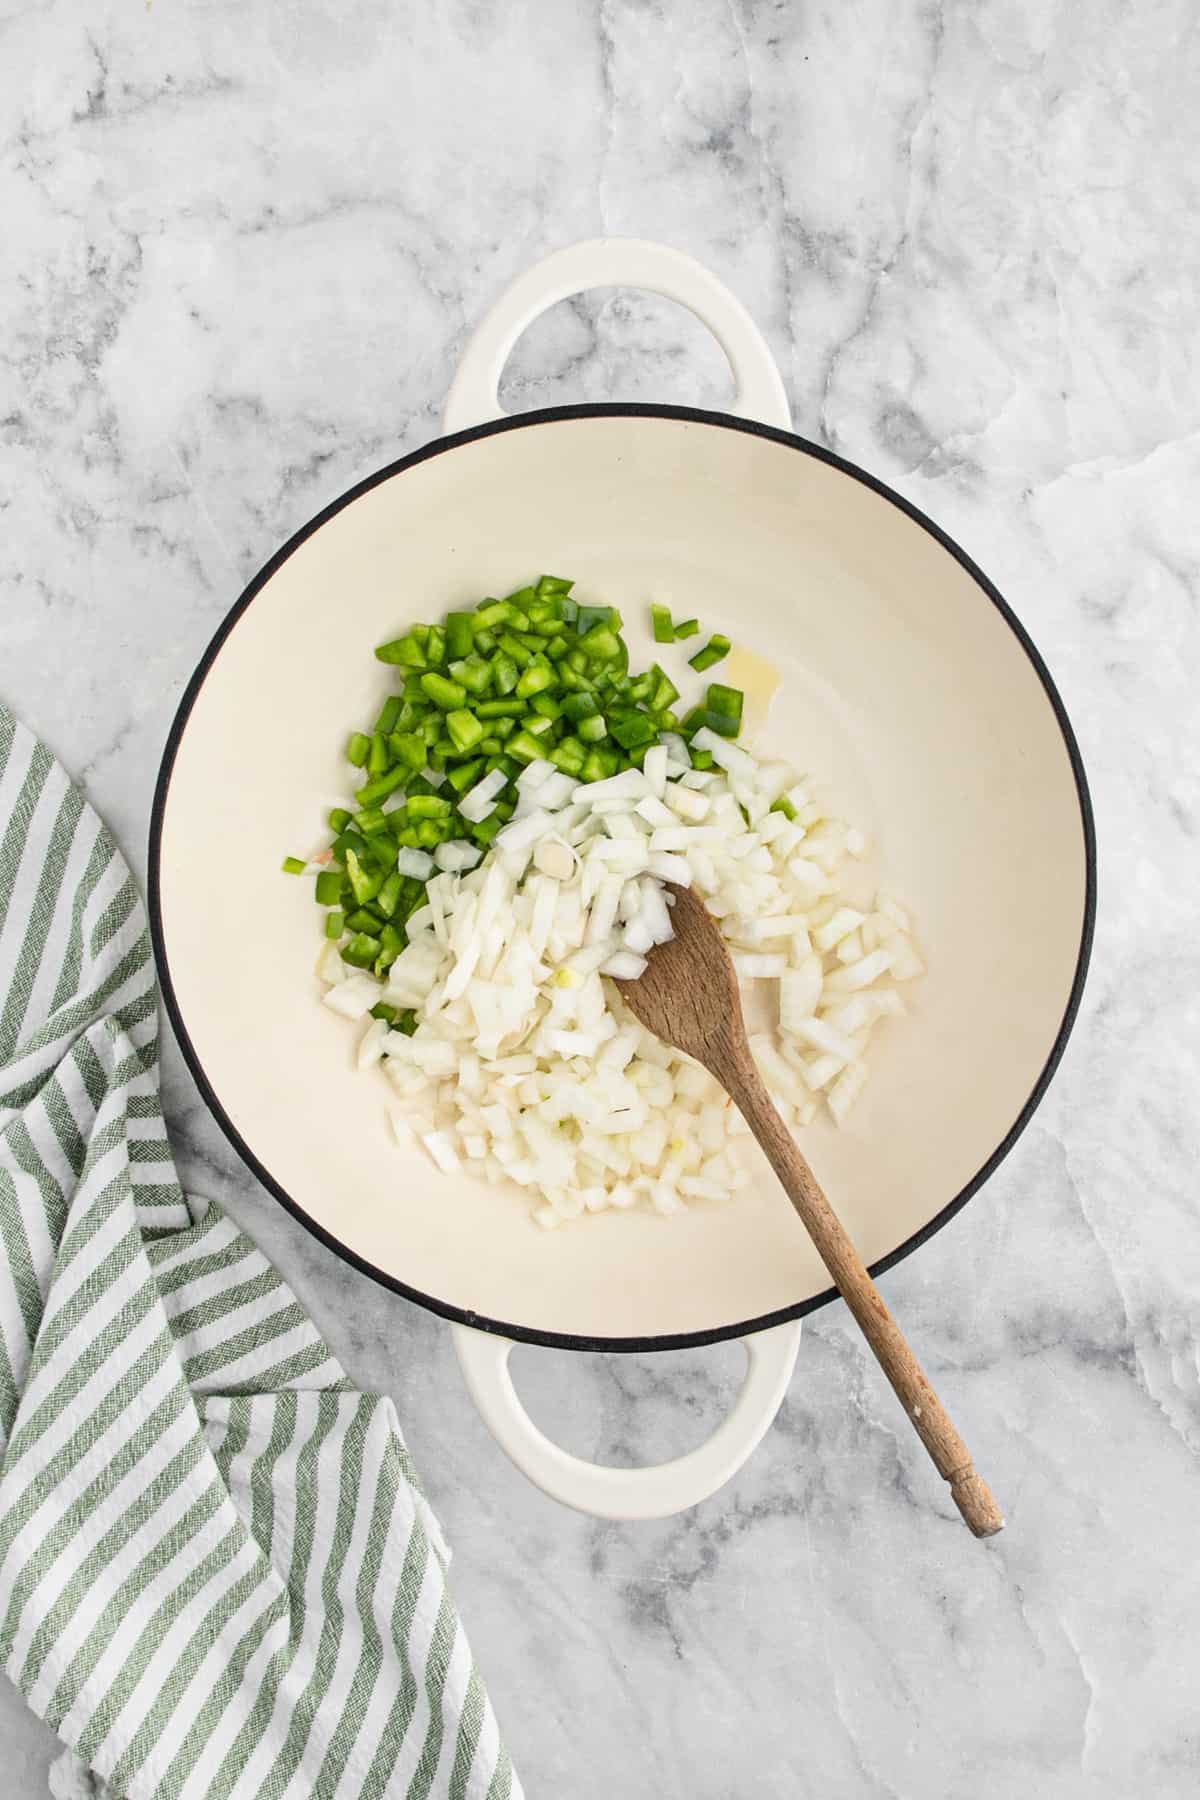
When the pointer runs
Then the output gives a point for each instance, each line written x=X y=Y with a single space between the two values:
x=971 y=1493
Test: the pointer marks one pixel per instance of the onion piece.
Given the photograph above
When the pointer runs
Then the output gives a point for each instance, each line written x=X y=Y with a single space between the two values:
x=759 y=967
x=654 y=768
x=477 y=803
x=844 y=921
x=624 y=965
x=353 y=998
x=440 y=1146
x=456 y=856
x=418 y=864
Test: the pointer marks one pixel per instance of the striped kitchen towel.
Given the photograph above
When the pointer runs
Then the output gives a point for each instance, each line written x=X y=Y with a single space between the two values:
x=218 y=1577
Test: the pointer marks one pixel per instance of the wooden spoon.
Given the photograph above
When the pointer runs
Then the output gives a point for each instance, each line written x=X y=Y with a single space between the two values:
x=688 y=996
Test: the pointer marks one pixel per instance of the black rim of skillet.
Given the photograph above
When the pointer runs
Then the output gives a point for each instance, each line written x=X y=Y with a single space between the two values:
x=440 y=447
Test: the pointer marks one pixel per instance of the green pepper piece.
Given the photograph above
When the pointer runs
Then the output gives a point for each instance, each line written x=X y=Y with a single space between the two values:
x=463 y=775
x=363 y=884
x=409 y=748
x=505 y=672
x=600 y=764
x=524 y=746
x=460 y=633
x=720 y=723
x=464 y=729
x=501 y=709
x=365 y=918
x=473 y=674
x=665 y=693
x=406 y=650
x=716 y=648
x=536 y=679
x=443 y=693
x=601 y=644
x=388 y=898
x=515 y=649
x=569 y=756
x=361 y=951
x=381 y=787
x=632 y=730
x=727 y=701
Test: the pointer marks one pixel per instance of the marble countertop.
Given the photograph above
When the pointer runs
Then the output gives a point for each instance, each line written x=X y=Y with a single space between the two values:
x=243 y=248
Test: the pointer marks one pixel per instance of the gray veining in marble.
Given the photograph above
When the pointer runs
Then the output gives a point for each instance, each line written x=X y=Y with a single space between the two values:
x=242 y=247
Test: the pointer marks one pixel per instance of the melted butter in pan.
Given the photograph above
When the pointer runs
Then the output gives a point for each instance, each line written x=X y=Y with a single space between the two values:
x=758 y=679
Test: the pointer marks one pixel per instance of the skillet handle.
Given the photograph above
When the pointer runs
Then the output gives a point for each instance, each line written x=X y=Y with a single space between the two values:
x=651 y=1493
x=616 y=262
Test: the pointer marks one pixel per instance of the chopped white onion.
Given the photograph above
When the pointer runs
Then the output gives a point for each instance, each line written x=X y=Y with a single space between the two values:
x=759 y=968
x=624 y=965
x=844 y=921
x=355 y=997
x=846 y=1089
x=478 y=802
x=862 y=973
x=440 y=1146
x=534 y=773
x=630 y=783
x=456 y=855
x=416 y=863
x=670 y=868
x=370 y=1047
x=555 y=792
x=526 y=1064
x=653 y=811
x=521 y=834
x=654 y=768
x=330 y=967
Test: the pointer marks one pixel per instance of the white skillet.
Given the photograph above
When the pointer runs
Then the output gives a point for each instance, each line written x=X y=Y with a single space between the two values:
x=909 y=691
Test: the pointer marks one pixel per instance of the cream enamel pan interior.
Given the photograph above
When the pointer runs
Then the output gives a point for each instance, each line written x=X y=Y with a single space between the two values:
x=909 y=691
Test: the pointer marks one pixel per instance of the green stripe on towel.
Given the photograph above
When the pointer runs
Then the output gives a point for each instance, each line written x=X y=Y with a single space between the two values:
x=217 y=1575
